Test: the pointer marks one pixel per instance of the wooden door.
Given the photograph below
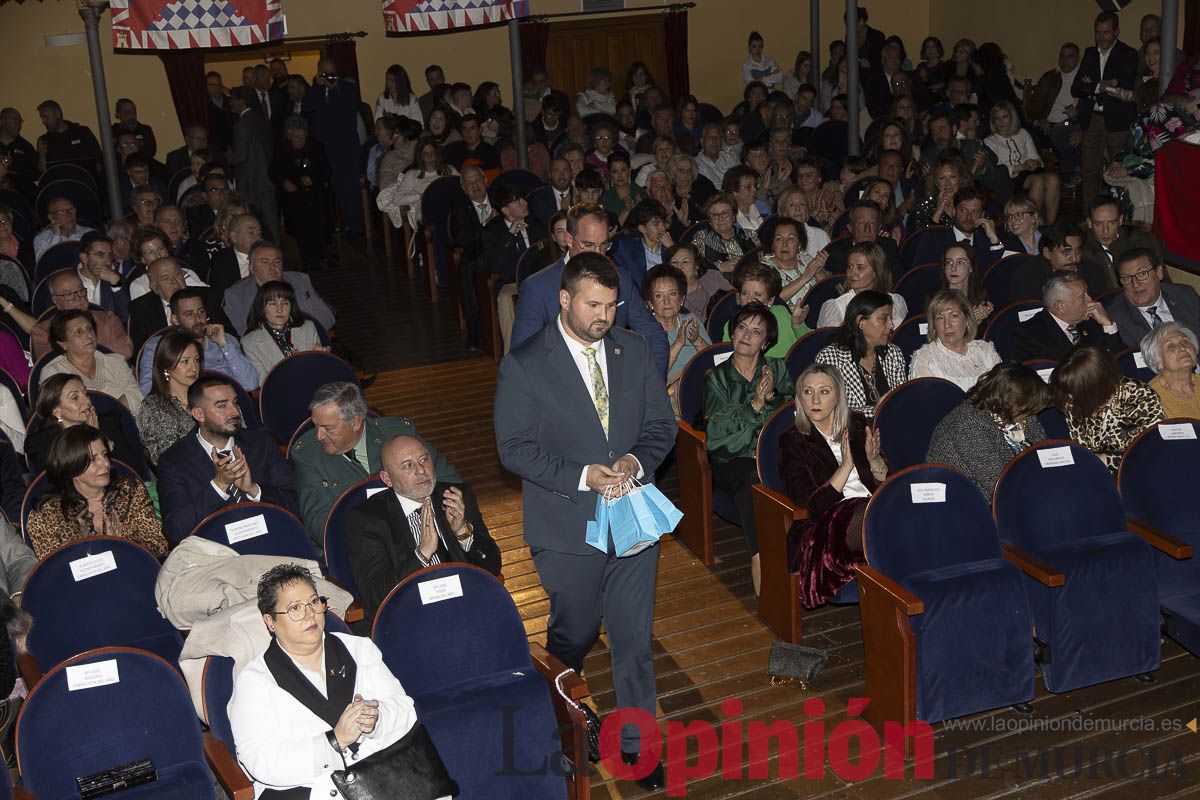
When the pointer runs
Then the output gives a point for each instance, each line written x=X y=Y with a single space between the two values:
x=575 y=47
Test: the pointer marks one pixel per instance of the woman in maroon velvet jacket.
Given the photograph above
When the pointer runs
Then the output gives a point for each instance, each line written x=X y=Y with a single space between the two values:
x=831 y=464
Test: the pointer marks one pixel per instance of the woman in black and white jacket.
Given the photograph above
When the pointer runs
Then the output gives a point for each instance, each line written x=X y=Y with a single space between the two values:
x=862 y=352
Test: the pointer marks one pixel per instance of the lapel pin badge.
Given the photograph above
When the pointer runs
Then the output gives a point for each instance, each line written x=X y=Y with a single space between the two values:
x=617 y=350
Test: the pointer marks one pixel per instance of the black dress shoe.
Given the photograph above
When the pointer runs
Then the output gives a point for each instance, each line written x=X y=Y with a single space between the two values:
x=652 y=782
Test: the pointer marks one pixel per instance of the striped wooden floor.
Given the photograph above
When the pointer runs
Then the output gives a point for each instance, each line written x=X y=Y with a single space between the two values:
x=709 y=647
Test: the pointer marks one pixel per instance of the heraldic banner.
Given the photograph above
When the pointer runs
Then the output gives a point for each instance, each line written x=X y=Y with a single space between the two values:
x=417 y=16
x=185 y=24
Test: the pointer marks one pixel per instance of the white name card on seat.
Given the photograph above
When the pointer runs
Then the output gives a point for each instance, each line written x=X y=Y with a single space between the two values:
x=923 y=328
x=1139 y=360
x=91 y=566
x=1044 y=374
x=1180 y=430
x=89 y=676
x=438 y=589
x=1024 y=316
x=1056 y=457
x=721 y=358
x=928 y=492
x=372 y=492
x=245 y=529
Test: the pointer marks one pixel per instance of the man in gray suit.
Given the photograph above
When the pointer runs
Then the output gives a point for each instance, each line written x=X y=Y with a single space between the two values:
x=250 y=156
x=1146 y=302
x=580 y=408
x=266 y=264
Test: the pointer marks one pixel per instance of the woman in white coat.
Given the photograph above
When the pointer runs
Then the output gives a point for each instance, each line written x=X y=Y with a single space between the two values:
x=312 y=699
x=276 y=329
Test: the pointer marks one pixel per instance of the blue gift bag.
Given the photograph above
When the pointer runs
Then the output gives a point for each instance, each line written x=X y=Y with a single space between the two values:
x=632 y=523
x=665 y=512
x=597 y=529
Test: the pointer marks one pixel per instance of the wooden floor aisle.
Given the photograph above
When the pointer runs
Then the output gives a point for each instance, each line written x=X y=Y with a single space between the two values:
x=709 y=646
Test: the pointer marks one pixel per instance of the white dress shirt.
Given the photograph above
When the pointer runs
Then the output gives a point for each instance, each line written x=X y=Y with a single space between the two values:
x=834 y=311
x=1160 y=308
x=207 y=447
x=484 y=210
x=141 y=286
x=92 y=288
x=413 y=506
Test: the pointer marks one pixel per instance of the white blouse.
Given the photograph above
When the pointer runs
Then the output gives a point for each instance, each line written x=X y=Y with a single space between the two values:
x=834 y=311
x=854 y=486
x=935 y=360
x=411 y=109
x=1013 y=151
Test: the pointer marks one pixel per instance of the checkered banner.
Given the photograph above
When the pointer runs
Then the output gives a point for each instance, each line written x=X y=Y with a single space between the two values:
x=417 y=16
x=184 y=24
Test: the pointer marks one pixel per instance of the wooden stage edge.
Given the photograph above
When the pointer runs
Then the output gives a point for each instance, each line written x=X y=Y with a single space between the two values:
x=1117 y=740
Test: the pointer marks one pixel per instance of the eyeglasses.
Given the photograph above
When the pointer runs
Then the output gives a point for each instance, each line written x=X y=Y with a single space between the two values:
x=62 y=212
x=720 y=215
x=72 y=294
x=217 y=190
x=1141 y=276
x=297 y=611
x=150 y=202
x=592 y=247
x=1018 y=214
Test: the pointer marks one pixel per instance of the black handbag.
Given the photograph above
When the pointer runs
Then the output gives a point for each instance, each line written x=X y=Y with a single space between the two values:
x=408 y=769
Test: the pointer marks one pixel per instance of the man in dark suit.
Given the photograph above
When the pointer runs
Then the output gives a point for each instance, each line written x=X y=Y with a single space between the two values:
x=195 y=138
x=971 y=226
x=220 y=464
x=250 y=155
x=151 y=312
x=642 y=248
x=580 y=409
x=505 y=239
x=1145 y=302
x=418 y=523
x=220 y=118
x=333 y=102
x=102 y=283
x=1061 y=248
x=1069 y=317
x=865 y=226
x=1108 y=238
x=538 y=301
x=1104 y=119
x=558 y=195
x=233 y=263
x=266 y=264
x=470 y=211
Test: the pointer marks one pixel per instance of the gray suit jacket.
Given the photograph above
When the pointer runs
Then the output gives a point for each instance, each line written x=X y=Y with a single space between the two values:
x=240 y=297
x=1182 y=302
x=547 y=429
x=260 y=348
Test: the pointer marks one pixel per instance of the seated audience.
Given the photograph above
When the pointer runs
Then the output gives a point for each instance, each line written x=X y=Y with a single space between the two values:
x=12 y=490
x=471 y=149
x=798 y=272
x=665 y=287
x=720 y=242
x=791 y=203
x=1069 y=317
x=825 y=204
x=604 y=141
x=944 y=180
x=149 y=244
x=741 y=183
x=233 y=263
x=11 y=245
x=74 y=336
x=343 y=448
x=960 y=273
x=220 y=465
x=421 y=522
x=63 y=403
x=644 y=245
x=89 y=500
x=1108 y=237
x=739 y=395
x=266 y=265
x=703 y=282
x=1105 y=411
x=597 y=96
x=63 y=227
x=862 y=351
x=866 y=226
x=288 y=736
x=163 y=418
x=554 y=197
x=953 y=351
x=758 y=283
x=866 y=270
x=622 y=194
x=1015 y=150
x=222 y=350
x=12 y=422
x=970 y=226
x=996 y=421
x=277 y=329
x=881 y=192
x=1146 y=302
x=1170 y=350
x=713 y=160
x=1021 y=226
x=151 y=312
x=1061 y=247
x=68 y=294
x=831 y=464
x=100 y=280
x=401 y=201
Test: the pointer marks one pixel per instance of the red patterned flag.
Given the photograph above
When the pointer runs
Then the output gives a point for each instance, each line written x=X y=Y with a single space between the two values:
x=414 y=16
x=183 y=24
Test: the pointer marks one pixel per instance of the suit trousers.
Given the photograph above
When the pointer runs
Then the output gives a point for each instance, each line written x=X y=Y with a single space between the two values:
x=584 y=589
x=1096 y=141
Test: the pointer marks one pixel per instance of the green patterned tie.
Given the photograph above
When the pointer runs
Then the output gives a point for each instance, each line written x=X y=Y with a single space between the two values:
x=599 y=391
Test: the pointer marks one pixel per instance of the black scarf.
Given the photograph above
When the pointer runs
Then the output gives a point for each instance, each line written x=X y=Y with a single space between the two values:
x=340 y=675
x=283 y=339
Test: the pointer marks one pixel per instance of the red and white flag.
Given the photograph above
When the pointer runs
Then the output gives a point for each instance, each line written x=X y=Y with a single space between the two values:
x=184 y=24
x=415 y=16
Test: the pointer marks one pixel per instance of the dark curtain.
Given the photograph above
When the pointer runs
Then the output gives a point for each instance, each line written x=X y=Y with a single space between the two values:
x=185 y=76
x=345 y=57
x=676 y=35
x=1191 y=27
x=535 y=34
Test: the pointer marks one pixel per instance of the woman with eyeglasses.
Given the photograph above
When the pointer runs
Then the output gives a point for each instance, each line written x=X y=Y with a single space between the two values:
x=312 y=702
x=1021 y=222
x=721 y=242
x=89 y=500
x=961 y=274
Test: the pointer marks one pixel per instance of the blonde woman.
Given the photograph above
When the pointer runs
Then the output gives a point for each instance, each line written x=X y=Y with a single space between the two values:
x=953 y=352
x=1015 y=149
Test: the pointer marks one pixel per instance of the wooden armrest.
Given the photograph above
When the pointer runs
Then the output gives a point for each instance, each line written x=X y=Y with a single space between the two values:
x=550 y=668
x=905 y=601
x=1175 y=548
x=355 y=613
x=226 y=769
x=31 y=673
x=1040 y=571
x=21 y=793
x=689 y=430
x=780 y=501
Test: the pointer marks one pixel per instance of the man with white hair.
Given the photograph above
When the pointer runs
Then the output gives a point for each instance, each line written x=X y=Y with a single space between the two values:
x=1070 y=317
